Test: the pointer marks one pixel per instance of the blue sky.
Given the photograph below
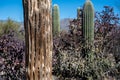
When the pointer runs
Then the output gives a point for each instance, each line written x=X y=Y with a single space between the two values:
x=14 y=10
x=68 y=7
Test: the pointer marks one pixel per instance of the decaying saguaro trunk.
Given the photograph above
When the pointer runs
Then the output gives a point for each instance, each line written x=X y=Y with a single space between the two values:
x=38 y=37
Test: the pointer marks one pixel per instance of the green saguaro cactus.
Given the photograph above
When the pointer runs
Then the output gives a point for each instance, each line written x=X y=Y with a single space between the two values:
x=88 y=24
x=56 y=20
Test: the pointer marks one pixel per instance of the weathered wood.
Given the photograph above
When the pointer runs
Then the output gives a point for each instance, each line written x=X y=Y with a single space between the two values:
x=38 y=37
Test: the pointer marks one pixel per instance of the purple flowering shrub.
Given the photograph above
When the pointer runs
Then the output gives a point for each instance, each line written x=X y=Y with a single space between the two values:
x=12 y=57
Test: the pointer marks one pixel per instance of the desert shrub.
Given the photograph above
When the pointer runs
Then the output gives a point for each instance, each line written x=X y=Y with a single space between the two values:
x=10 y=25
x=69 y=61
x=12 y=62
x=107 y=32
x=7 y=26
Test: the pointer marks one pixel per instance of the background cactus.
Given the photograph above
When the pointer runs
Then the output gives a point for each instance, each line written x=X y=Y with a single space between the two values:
x=78 y=13
x=79 y=17
x=88 y=24
x=56 y=20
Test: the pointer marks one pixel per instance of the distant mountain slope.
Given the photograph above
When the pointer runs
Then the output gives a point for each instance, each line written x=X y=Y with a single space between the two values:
x=64 y=23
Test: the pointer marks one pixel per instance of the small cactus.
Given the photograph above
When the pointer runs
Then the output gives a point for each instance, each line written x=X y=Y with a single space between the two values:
x=88 y=24
x=56 y=20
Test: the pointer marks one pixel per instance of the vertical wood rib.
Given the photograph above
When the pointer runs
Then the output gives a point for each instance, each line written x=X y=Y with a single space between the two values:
x=38 y=37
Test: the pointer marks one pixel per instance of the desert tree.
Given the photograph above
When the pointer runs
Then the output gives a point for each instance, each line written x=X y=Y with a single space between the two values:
x=107 y=29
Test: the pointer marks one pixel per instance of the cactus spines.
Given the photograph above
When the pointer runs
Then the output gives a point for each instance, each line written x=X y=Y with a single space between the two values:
x=56 y=20
x=88 y=23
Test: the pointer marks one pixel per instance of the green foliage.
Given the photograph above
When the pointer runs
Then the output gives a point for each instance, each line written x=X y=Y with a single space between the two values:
x=56 y=20
x=7 y=26
x=88 y=26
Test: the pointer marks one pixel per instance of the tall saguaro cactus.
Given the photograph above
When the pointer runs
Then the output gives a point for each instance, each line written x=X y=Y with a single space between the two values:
x=56 y=20
x=38 y=37
x=88 y=23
